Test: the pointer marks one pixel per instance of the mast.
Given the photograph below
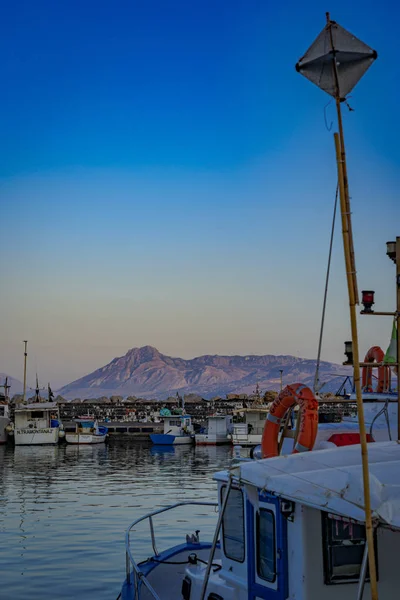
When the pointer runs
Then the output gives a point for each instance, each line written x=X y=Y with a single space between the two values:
x=324 y=67
x=25 y=355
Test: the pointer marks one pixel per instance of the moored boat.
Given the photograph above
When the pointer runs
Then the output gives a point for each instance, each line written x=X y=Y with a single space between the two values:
x=37 y=423
x=216 y=432
x=288 y=527
x=178 y=429
x=248 y=431
x=4 y=413
x=87 y=431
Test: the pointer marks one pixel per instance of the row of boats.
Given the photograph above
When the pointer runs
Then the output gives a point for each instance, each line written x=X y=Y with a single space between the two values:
x=38 y=423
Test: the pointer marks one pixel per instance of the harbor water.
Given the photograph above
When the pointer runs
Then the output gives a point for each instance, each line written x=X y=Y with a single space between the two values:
x=64 y=511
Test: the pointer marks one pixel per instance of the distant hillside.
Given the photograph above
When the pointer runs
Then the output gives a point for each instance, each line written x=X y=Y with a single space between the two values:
x=16 y=386
x=148 y=373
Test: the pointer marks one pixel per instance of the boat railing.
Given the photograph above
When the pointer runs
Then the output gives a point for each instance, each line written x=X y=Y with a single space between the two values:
x=138 y=576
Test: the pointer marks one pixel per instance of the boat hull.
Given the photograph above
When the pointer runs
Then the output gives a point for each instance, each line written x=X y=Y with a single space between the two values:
x=163 y=439
x=203 y=439
x=78 y=438
x=246 y=439
x=36 y=437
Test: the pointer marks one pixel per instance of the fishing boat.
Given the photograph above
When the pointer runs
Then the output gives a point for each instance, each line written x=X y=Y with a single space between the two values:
x=178 y=429
x=217 y=431
x=87 y=431
x=4 y=413
x=248 y=431
x=37 y=423
x=288 y=527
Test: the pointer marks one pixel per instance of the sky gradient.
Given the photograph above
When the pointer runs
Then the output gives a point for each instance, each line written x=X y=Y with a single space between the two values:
x=167 y=178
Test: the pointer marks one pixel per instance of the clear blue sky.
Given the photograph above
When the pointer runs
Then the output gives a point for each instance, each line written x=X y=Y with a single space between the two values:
x=167 y=178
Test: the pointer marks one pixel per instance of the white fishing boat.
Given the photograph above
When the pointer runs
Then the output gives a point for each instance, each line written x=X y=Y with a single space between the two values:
x=37 y=423
x=288 y=527
x=248 y=431
x=217 y=431
x=4 y=413
x=178 y=429
x=87 y=431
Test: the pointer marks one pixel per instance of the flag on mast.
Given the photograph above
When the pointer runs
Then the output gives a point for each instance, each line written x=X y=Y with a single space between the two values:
x=391 y=352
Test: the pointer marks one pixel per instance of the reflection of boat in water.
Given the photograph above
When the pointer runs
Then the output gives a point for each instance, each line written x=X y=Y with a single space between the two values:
x=162 y=449
x=35 y=458
x=87 y=432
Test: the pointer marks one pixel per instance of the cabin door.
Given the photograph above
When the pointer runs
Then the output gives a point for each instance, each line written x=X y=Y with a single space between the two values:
x=267 y=550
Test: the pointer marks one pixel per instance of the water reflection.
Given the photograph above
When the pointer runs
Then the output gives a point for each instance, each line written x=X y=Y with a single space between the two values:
x=64 y=510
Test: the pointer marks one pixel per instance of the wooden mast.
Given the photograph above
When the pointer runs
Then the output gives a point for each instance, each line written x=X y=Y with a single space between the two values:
x=353 y=301
x=25 y=355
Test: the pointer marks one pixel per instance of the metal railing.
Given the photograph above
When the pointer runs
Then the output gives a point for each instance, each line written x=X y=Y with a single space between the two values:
x=138 y=575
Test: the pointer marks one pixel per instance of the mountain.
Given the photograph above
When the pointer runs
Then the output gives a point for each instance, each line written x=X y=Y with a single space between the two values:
x=148 y=373
x=16 y=385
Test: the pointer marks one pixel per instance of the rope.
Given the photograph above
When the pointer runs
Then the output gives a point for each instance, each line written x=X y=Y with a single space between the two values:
x=192 y=560
x=316 y=379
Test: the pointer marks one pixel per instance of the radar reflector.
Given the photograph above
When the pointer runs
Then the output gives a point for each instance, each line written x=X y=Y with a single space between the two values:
x=336 y=60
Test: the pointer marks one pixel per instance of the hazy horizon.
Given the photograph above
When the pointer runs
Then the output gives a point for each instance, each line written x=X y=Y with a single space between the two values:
x=167 y=178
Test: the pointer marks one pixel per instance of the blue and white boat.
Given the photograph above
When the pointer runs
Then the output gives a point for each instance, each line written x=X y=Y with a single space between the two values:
x=87 y=431
x=178 y=429
x=290 y=527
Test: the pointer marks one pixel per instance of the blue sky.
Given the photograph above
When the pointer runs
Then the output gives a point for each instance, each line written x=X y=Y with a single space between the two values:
x=167 y=178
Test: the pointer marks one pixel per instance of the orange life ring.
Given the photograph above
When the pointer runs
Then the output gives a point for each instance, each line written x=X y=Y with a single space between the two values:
x=299 y=394
x=375 y=354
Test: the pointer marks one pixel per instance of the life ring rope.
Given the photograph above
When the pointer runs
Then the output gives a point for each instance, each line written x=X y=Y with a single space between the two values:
x=295 y=394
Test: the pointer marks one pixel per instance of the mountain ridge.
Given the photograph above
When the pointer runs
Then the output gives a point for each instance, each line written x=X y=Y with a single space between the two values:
x=145 y=371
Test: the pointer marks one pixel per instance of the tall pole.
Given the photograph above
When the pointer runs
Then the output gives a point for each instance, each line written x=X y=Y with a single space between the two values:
x=25 y=355
x=281 y=372
x=350 y=274
x=398 y=331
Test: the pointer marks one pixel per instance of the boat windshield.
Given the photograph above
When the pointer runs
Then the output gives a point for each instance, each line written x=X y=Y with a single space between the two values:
x=86 y=424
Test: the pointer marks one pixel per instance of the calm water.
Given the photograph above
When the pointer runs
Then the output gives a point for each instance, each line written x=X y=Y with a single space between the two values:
x=64 y=511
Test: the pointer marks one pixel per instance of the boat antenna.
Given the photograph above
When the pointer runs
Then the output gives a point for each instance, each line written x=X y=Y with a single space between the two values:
x=328 y=269
x=335 y=62
x=6 y=388
x=25 y=357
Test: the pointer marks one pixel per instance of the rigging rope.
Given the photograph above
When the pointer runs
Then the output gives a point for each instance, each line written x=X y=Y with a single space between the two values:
x=316 y=379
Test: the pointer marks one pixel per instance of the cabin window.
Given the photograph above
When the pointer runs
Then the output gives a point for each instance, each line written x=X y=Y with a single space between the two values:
x=344 y=544
x=38 y=414
x=233 y=525
x=174 y=423
x=266 y=545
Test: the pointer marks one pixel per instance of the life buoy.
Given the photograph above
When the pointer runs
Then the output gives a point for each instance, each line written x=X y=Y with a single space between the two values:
x=375 y=354
x=299 y=394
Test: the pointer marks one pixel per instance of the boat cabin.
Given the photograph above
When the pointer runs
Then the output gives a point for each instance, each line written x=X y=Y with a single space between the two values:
x=178 y=425
x=293 y=527
x=248 y=431
x=37 y=415
x=86 y=425
x=4 y=409
x=218 y=431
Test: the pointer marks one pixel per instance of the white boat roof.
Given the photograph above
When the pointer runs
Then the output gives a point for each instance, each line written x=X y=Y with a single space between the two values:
x=37 y=406
x=331 y=480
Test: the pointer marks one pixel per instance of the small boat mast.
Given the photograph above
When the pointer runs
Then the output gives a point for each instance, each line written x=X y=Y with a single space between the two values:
x=25 y=355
